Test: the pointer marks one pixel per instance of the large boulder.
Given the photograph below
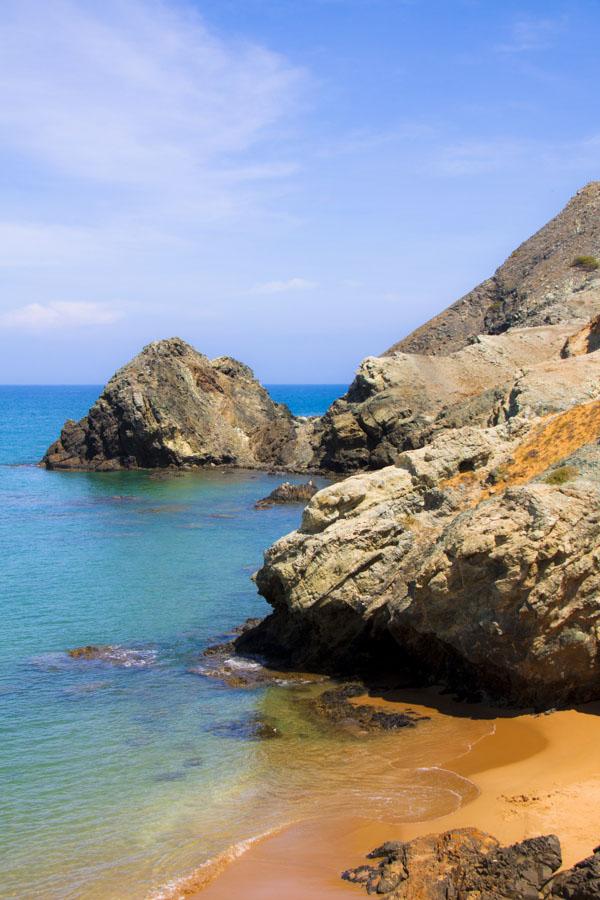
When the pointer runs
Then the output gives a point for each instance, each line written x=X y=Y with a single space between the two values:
x=474 y=560
x=172 y=406
x=458 y=865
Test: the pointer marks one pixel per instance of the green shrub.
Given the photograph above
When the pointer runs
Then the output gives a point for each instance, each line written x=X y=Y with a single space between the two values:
x=587 y=263
x=561 y=475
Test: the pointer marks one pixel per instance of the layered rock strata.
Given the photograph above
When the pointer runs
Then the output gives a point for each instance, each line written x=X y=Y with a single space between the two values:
x=172 y=406
x=474 y=560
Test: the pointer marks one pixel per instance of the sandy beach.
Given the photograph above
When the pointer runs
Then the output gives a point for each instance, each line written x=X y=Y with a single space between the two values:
x=535 y=774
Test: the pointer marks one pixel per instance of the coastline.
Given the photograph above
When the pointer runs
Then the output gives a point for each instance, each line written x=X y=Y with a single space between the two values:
x=535 y=774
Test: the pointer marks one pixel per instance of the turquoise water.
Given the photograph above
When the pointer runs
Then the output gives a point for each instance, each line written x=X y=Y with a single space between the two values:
x=117 y=779
x=89 y=750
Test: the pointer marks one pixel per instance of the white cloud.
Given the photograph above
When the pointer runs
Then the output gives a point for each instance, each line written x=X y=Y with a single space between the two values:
x=143 y=96
x=282 y=287
x=61 y=315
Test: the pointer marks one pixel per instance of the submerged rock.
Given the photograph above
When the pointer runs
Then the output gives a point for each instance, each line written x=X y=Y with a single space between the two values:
x=288 y=493
x=461 y=864
x=125 y=657
x=334 y=706
x=172 y=406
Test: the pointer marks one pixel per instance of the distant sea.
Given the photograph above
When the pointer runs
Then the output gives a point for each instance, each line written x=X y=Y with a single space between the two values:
x=117 y=779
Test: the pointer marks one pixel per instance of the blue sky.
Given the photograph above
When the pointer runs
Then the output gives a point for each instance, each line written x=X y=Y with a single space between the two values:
x=297 y=183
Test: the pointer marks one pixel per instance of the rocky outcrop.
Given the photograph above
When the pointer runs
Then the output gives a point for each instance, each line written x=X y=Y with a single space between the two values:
x=467 y=863
x=451 y=371
x=539 y=284
x=172 y=406
x=288 y=493
x=474 y=560
x=587 y=340
x=400 y=402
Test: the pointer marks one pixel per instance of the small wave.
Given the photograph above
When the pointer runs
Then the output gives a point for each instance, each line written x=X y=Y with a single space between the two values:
x=181 y=888
x=109 y=654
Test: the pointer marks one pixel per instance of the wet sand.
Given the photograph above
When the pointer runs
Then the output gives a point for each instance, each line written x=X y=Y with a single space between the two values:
x=535 y=775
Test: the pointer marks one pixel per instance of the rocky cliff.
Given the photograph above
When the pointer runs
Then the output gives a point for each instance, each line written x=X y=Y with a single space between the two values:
x=550 y=278
x=172 y=406
x=474 y=560
x=453 y=369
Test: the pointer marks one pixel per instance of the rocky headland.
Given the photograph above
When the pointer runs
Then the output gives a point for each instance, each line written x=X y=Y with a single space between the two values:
x=465 y=550
x=464 y=545
x=172 y=406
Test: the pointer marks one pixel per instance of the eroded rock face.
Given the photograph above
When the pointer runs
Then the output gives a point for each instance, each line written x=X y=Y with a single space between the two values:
x=400 y=402
x=172 y=406
x=288 y=493
x=538 y=284
x=461 y=864
x=452 y=370
x=474 y=560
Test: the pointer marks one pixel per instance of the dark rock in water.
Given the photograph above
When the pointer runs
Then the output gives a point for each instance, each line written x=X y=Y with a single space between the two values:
x=461 y=864
x=249 y=728
x=193 y=762
x=90 y=651
x=288 y=493
x=334 y=706
x=171 y=407
x=125 y=657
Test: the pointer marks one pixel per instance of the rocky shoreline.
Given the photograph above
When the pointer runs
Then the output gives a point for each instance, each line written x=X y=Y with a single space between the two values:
x=462 y=545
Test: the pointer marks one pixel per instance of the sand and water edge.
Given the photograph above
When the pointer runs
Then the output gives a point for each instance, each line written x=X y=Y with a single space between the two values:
x=527 y=774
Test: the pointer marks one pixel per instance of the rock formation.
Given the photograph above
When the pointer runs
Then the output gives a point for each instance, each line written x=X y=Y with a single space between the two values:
x=451 y=371
x=472 y=560
x=288 y=493
x=541 y=283
x=172 y=406
x=467 y=863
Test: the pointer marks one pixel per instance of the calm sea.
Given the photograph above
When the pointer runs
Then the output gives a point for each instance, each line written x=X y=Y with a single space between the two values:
x=118 y=778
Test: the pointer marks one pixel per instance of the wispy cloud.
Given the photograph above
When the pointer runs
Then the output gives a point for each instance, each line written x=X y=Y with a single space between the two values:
x=282 y=287
x=477 y=157
x=142 y=96
x=59 y=315
x=530 y=34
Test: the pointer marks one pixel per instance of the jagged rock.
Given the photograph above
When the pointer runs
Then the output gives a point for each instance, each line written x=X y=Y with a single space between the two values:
x=288 y=493
x=474 y=560
x=400 y=402
x=172 y=406
x=537 y=285
x=585 y=341
x=460 y=864
x=451 y=371
x=582 y=882
x=467 y=863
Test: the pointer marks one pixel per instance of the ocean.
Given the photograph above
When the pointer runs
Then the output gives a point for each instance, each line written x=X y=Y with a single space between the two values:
x=120 y=777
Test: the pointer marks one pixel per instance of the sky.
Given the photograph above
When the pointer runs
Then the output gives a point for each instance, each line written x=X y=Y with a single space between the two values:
x=295 y=183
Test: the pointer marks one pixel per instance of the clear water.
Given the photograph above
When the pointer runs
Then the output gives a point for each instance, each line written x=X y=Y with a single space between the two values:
x=119 y=778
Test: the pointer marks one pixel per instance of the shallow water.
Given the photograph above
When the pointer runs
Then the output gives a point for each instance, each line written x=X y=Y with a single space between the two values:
x=119 y=775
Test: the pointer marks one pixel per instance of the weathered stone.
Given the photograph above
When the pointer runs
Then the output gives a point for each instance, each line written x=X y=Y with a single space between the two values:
x=461 y=864
x=172 y=406
x=537 y=285
x=470 y=561
x=288 y=493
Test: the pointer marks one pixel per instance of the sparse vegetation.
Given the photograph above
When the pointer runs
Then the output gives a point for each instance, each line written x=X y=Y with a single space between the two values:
x=561 y=475
x=587 y=263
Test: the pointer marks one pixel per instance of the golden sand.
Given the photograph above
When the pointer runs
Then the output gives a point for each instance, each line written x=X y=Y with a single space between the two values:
x=535 y=775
